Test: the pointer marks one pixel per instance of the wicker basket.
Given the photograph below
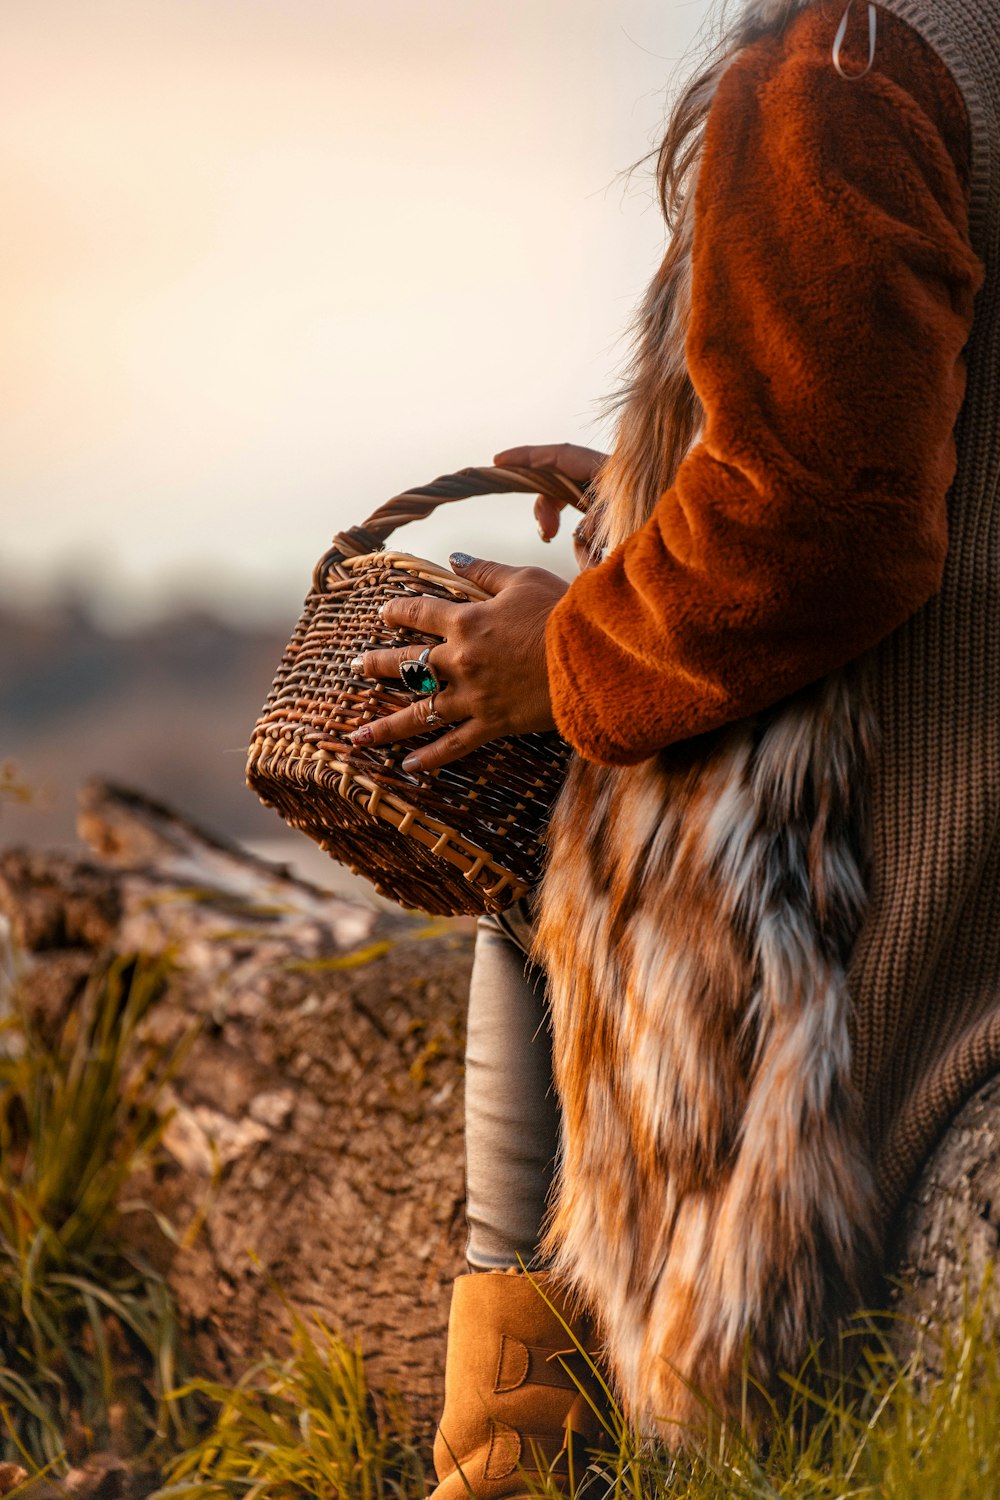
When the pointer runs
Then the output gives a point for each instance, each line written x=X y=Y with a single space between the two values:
x=464 y=838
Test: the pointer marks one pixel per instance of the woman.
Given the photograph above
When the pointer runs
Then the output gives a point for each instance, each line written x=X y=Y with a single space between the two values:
x=768 y=924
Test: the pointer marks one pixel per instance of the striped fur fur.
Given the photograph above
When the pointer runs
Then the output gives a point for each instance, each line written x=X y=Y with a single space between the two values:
x=697 y=914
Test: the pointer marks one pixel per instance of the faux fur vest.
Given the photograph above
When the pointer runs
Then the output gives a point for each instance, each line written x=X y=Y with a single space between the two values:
x=715 y=1203
x=698 y=914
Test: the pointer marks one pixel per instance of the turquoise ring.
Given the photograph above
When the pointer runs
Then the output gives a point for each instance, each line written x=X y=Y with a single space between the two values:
x=418 y=675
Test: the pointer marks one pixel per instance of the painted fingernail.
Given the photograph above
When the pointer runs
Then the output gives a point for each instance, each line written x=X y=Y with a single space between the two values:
x=382 y=609
x=362 y=736
x=358 y=665
x=461 y=559
x=411 y=763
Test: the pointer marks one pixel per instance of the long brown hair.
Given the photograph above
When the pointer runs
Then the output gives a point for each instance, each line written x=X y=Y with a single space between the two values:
x=659 y=414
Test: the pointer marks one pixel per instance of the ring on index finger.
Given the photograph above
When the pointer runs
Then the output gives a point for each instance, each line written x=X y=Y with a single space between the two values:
x=418 y=675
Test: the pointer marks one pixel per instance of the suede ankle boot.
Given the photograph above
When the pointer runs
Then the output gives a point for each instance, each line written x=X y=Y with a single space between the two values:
x=512 y=1406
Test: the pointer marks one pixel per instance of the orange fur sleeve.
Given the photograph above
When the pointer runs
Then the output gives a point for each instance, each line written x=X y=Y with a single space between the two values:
x=832 y=294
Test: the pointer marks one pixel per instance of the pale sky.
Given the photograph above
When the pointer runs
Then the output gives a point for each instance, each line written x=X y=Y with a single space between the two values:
x=266 y=262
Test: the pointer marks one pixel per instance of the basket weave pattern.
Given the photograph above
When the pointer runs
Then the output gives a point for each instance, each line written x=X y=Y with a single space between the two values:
x=465 y=838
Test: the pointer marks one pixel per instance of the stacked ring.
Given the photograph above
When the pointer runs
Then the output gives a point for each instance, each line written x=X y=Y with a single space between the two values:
x=433 y=717
x=418 y=675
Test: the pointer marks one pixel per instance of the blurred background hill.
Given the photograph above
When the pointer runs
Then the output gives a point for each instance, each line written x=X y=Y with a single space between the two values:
x=168 y=707
x=265 y=266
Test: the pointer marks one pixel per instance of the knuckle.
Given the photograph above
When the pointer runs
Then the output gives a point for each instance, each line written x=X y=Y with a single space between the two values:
x=376 y=665
x=401 y=611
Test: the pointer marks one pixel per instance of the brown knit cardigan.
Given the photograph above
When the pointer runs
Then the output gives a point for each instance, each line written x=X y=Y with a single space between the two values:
x=770 y=918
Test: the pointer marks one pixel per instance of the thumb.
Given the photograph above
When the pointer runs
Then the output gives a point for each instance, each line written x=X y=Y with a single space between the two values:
x=491 y=576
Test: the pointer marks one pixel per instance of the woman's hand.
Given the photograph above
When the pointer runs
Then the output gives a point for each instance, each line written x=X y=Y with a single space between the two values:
x=579 y=464
x=491 y=663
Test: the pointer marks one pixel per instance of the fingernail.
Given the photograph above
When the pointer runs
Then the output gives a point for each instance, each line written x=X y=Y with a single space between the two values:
x=544 y=536
x=460 y=560
x=382 y=609
x=358 y=666
x=362 y=736
x=411 y=763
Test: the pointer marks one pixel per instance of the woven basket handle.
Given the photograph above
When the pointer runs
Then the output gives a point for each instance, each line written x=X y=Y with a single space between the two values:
x=413 y=505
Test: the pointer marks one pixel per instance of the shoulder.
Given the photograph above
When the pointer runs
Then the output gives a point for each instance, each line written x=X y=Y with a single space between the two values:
x=908 y=94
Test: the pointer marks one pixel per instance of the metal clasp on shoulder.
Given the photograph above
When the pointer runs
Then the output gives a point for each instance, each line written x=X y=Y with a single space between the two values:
x=838 y=43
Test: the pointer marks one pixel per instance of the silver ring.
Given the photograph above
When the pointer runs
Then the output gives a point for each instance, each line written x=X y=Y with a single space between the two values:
x=433 y=717
x=418 y=675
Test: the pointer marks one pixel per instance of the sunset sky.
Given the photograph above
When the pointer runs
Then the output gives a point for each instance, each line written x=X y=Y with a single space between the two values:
x=266 y=262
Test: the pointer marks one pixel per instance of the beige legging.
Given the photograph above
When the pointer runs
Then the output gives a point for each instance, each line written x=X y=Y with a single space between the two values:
x=511 y=1115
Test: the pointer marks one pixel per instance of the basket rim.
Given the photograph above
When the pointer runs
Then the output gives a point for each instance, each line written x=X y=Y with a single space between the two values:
x=408 y=562
x=410 y=820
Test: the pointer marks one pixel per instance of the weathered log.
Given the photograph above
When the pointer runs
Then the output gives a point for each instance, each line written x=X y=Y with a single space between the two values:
x=947 y=1242
x=316 y=1133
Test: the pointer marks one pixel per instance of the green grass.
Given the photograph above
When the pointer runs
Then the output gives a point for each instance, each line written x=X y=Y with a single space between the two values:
x=307 y=1426
x=884 y=1435
x=88 y=1338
